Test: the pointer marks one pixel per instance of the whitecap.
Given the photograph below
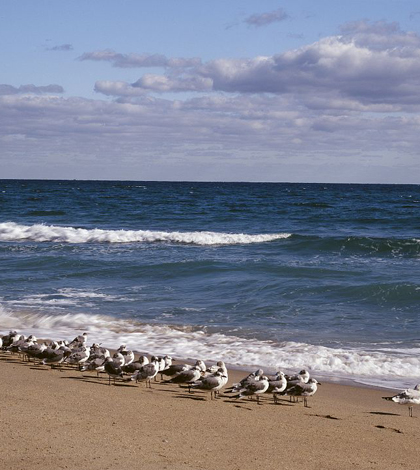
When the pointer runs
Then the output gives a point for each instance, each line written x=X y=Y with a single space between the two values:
x=11 y=231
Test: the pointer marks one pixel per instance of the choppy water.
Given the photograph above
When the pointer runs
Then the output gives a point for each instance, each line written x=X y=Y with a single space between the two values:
x=325 y=277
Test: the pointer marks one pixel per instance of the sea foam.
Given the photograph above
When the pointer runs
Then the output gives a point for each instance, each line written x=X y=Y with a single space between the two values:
x=11 y=231
x=386 y=368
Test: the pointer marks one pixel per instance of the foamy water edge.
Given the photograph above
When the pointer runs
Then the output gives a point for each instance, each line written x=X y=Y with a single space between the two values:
x=382 y=368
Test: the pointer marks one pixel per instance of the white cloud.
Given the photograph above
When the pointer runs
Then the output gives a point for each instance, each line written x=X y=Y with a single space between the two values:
x=372 y=64
x=316 y=110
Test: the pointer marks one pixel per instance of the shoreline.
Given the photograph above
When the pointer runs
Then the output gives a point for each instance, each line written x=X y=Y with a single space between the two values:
x=71 y=419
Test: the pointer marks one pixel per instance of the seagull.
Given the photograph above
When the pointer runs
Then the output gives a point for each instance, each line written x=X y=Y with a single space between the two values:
x=187 y=376
x=79 y=341
x=136 y=365
x=79 y=357
x=304 y=390
x=118 y=358
x=212 y=383
x=126 y=353
x=250 y=378
x=97 y=364
x=7 y=340
x=98 y=351
x=175 y=369
x=410 y=396
x=147 y=372
x=215 y=368
x=254 y=388
x=35 y=350
x=113 y=369
x=303 y=376
x=277 y=386
x=53 y=356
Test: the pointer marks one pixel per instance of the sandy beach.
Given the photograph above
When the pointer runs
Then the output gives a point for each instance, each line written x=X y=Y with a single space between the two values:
x=52 y=419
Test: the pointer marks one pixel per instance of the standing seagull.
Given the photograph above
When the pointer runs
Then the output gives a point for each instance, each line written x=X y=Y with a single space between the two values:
x=112 y=369
x=187 y=377
x=147 y=372
x=254 y=388
x=304 y=390
x=410 y=396
x=277 y=386
x=212 y=383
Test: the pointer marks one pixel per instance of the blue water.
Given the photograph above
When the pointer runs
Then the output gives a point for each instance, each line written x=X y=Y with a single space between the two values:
x=320 y=276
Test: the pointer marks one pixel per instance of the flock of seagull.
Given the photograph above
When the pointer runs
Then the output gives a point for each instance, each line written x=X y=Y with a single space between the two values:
x=123 y=366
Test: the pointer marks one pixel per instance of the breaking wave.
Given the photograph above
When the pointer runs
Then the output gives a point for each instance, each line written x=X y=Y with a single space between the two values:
x=387 y=368
x=10 y=231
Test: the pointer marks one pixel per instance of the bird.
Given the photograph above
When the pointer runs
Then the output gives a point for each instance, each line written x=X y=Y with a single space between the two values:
x=212 y=383
x=250 y=378
x=304 y=390
x=79 y=341
x=98 y=351
x=187 y=376
x=147 y=372
x=215 y=368
x=409 y=396
x=254 y=388
x=277 y=386
x=53 y=356
x=126 y=353
x=136 y=365
x=79 y=357
x=113 y=369
x=97 y=364
x=118 y=358
x=8 y=339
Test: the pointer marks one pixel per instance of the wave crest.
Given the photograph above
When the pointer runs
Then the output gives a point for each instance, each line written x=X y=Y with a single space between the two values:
x=10 y=231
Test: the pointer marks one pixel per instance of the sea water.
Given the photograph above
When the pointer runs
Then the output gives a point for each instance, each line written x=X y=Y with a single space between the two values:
x=283 y=276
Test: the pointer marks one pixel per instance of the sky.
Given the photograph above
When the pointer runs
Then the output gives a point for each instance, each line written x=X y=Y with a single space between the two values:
x=196 y=90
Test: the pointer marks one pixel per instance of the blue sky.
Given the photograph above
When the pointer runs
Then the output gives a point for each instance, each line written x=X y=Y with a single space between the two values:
x=321 y=91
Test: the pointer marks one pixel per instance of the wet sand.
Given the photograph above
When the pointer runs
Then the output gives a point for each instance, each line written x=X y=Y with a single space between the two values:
x=52 y=419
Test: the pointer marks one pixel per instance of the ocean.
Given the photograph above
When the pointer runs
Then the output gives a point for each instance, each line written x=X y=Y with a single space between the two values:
x=283 y=276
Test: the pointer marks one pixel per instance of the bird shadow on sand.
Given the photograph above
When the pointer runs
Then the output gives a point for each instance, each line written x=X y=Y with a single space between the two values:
x=99 y=382
x=10 y=359
x=191 y=397
x=326 y=417
x=398 y=431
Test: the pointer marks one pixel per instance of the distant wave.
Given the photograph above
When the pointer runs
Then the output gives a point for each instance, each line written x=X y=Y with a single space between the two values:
x=374 y=246
x=381 y=367
x=10 y=231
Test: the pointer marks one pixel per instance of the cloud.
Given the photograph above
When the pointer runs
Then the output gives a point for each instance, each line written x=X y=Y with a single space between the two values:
x=322 y=109
x=369 y=63
x=138 y=60
x=62 y=47
x=264 y=19
x=11 y=90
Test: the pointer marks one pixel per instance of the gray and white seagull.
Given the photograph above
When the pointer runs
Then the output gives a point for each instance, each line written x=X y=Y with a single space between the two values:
x=410 y=397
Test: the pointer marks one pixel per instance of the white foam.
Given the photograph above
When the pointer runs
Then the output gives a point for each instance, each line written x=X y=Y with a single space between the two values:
x=64 y=298
x=10 y=231
x=387 y=369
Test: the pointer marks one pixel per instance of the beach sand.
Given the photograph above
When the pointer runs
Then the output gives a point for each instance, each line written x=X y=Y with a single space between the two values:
x=53 y=419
